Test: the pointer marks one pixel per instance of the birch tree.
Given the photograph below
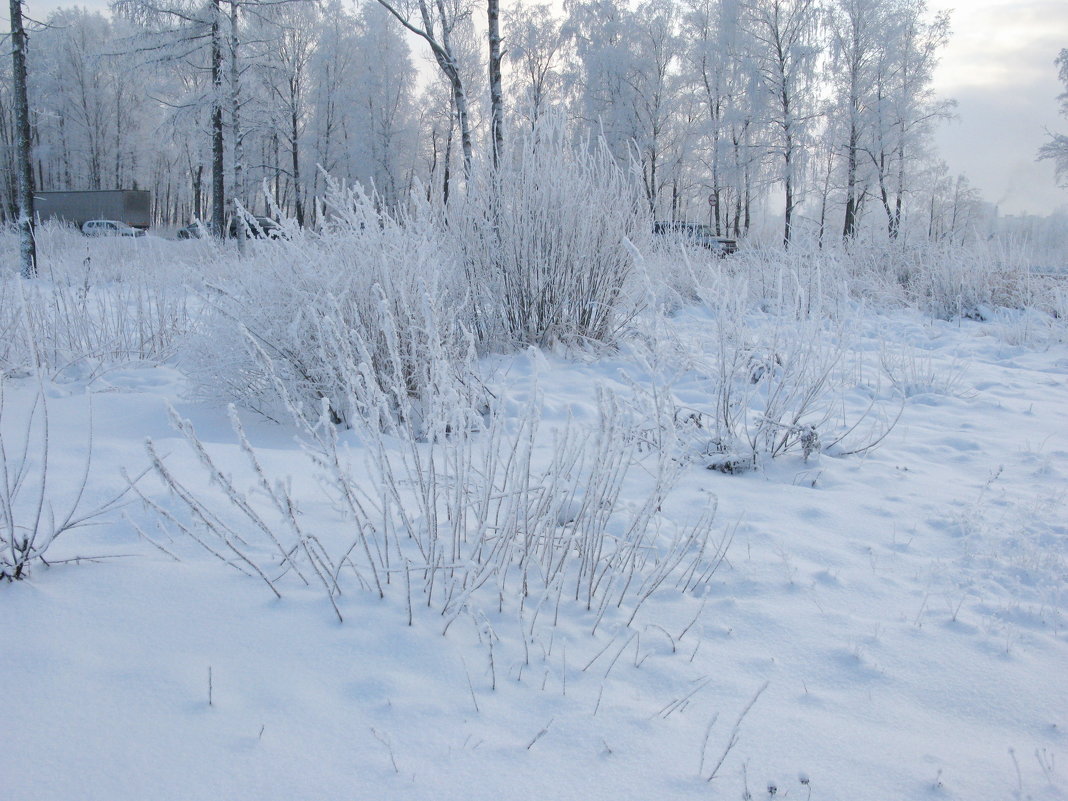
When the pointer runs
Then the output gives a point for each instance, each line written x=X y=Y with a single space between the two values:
x=493 y=14
x=601 y=34
x=537 y=53
x=293 y=31
x=437 y=25
x=857 y=40
x=175 y=32
x=654 y=83
x=364 y=123
x=784 y=51
x=905 y=105
x=8 y=190
x=721 y=75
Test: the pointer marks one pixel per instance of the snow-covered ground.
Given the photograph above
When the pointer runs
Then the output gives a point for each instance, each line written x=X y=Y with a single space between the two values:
x=891 y=624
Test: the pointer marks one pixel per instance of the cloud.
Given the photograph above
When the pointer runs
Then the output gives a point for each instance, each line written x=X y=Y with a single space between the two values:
x=1002 y=43
x=999 y=67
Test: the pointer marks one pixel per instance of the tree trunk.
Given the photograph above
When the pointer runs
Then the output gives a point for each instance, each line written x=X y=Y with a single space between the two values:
x=23 y=156
x=447 y=170
x=218 y=176
x=898 y=201
x=496 y=93
x=294 y=121
x=849 y=227
x=235 y=127
x=462 y=117
x=788 y=171
x=198 y=193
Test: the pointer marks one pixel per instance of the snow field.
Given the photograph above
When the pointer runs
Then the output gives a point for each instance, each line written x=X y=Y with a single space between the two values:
x=887 y=624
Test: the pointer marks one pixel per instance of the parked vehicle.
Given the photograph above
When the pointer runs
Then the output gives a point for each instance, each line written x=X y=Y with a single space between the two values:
x=195 y=230
x=110 y=228
x=696 y=234
x=256 y=228
x=259 y=227
x=133 y=207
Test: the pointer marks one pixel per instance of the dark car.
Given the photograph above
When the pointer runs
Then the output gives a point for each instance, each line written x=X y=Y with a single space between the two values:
x=696 y=234
x=195 y=230
x=259 y=228
x=255 y=227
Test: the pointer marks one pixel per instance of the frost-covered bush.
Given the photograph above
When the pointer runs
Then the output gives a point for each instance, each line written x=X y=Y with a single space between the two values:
x=967 y=281
x=799 y=281
x=370 y=307
x=775 y=386
x=765 y=372
x=947 y=280
x=548 y=243
x=94 y=304
x=914 y=372
x=396 y=304
x=38 y=506
x=504 y=518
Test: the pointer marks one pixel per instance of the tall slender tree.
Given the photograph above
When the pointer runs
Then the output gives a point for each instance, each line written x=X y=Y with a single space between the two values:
x=218 y=168
x=857 y=39
x=785 y=47
x=905 y=106
x=537 y=53
x=171 y=32
x=493 y=13
x=23 y=149
x=439 y=20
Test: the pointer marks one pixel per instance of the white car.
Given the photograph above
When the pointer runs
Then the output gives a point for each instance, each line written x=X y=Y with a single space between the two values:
x=110 y=228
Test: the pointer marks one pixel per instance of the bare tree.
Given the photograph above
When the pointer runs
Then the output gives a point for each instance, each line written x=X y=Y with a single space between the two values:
x=292 y=29
x=537 y=51
x=904 y=104
x=1057 y=148
x=439 y=21
x=218 y=174
x=857 y=39
x=171 y=33
x=603 y=39
x=783 y=34
x=655 y=93
x=235 y=124
x=719 y=70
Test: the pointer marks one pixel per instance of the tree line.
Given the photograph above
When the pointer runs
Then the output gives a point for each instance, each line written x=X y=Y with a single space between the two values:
x=824 y=109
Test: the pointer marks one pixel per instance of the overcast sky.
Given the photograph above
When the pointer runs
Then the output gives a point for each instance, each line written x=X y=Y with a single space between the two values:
x=999 y=67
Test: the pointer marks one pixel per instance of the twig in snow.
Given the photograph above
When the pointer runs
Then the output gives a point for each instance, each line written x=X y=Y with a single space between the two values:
x=736 y=732
x=384 y=739
x=540 y=734
x=470 y=686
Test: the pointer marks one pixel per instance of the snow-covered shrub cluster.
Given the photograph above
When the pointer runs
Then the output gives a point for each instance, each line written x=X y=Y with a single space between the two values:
x=461 y=521
x=372 y=305
x=540 y=251
x=944 y=280
x=951 y=282
x=87 y=313
x=763 y=356
x=758 y=378
x=548 y=243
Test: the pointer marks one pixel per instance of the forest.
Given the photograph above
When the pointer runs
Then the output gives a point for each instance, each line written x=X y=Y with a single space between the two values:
x=820 y=112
